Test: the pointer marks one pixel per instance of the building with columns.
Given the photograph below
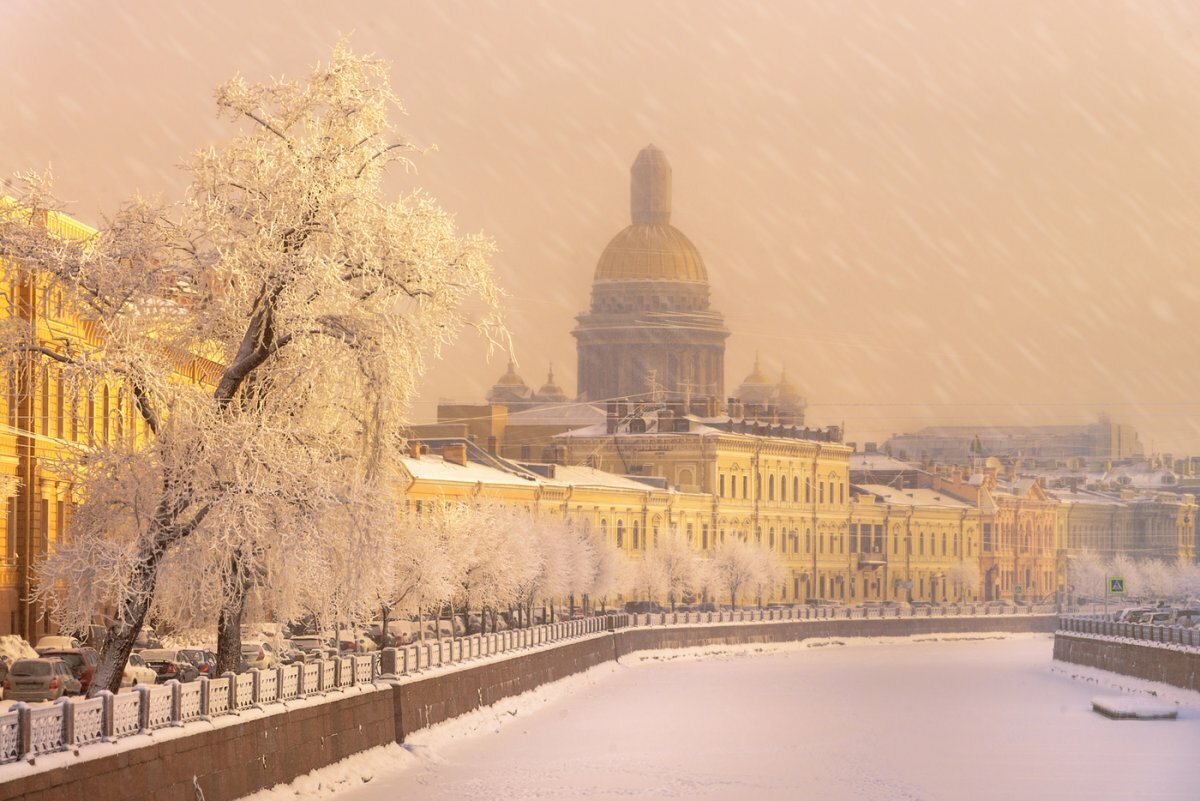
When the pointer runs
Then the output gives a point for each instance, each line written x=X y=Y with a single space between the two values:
x=650 y=331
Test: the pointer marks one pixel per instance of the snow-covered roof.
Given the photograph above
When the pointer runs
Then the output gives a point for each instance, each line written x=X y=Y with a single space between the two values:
x=913 y=497
x=1084 y=497
x=580 y=476
x=877 y=462
x=434 y=468
x=552 y=414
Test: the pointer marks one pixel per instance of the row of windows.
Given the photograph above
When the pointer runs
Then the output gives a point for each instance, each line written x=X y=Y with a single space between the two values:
x=49 y=527
x=98 y=415
x=825 y=489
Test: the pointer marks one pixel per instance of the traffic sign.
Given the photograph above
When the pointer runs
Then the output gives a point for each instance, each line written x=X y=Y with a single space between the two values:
x=1116 y=585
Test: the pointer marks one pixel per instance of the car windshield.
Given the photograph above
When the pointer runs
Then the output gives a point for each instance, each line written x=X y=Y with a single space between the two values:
x=30 y=667
x=158 y=655
x=250 y=648
x=194 y=656
x=73 y=660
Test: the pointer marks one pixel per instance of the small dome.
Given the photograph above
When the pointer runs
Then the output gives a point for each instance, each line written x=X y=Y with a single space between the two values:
x=550 y=391
x=651 y=253
x=757 y=388
x=509 y=388
x=785 y=390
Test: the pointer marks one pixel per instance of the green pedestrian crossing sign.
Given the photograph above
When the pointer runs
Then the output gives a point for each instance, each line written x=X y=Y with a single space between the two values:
x=1116 y=586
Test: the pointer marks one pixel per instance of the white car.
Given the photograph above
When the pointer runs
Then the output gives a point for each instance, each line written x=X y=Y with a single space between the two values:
x=137 y=672
x=55 y=642
x=259 y=655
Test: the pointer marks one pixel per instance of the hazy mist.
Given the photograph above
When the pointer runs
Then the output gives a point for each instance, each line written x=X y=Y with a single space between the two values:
x=931 y=212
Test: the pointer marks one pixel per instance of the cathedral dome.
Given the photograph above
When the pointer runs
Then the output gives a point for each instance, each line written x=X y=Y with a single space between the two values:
x=511 y=388
x=757 y=388
x=550 y=391
x=651 y=249
x=651 y=253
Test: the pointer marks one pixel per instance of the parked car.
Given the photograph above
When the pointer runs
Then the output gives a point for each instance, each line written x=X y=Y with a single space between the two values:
x=93 y=636
x=205 y=661
x=39 y=680
x=308 y=643
x=258 y=655
x=349 y=642
x=137 y=672
x=147 y=638
x=81 y=661
x=643 y=607
x=54 y=642
x=169 y=664
x=1131 y=614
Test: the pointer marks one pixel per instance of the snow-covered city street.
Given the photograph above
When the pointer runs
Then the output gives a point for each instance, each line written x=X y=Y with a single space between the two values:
x=924 y=718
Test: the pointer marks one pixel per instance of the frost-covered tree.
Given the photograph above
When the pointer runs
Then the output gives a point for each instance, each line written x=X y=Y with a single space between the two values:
x=670 y=568
x=965 y=577
x=613 y=574
x=768 y=572
x=1187 y=581
x=1157 y=578
x=269 y=332
x=417 y=573
x=1086 y=573
x=736 y=566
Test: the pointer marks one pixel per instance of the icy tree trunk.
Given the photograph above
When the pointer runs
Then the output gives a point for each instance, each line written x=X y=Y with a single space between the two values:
x=383 y=617
x=229 y=638
x=239 y=580
x=138 y=596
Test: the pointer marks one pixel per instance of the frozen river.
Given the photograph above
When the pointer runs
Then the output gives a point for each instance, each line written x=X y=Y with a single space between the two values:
x=899 y=719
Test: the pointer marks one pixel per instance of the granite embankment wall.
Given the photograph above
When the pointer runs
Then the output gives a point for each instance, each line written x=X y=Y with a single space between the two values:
x=1175 y=666
x=236 y=758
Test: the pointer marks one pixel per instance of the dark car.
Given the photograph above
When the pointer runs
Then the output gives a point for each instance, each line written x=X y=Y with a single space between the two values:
x=39 y=680
x=82 y=662
x=205 y=661
x=169 y=664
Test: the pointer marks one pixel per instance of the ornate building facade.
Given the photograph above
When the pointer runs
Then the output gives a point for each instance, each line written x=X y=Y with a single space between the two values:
x=650 y=329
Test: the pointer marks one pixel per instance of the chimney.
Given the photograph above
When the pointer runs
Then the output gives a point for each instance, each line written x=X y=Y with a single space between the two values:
x=871 y=447
x=456 y=453
x=493 y=445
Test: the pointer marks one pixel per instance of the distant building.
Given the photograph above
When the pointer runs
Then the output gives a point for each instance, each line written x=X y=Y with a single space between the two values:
x=650 y=330
x=1102 y=440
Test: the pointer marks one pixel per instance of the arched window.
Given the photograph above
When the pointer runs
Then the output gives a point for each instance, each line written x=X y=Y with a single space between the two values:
x=771 y=488
x=782 y=489
x=771 y=539
x=637 y=535
x=620 y=534
x=604 y=530
x=722 y=480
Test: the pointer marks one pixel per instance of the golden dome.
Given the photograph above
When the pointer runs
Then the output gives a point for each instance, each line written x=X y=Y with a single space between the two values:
x=651 y=253
x=651 y=249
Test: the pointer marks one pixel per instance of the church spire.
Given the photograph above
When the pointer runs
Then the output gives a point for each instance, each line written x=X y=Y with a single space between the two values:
x=650 y=188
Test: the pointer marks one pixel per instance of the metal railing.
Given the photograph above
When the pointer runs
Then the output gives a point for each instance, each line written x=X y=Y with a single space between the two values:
x=1144 y=632
x=26 y=732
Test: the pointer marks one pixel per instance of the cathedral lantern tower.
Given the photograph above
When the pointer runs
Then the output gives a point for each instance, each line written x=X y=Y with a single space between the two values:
x=650 y=328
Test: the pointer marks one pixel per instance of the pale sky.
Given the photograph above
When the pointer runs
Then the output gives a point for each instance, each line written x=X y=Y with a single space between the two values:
x=932 y=212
